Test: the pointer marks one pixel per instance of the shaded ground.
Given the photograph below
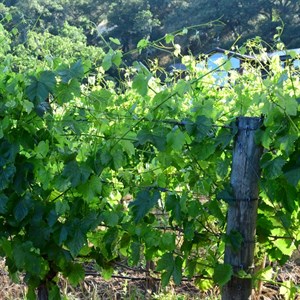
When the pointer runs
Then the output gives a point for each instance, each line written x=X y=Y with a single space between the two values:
x=134 y=284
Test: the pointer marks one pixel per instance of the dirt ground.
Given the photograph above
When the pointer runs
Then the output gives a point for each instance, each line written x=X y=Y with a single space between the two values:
x=129 y=283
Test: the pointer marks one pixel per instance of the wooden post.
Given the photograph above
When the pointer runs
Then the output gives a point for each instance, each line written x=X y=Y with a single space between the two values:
x=242 y=212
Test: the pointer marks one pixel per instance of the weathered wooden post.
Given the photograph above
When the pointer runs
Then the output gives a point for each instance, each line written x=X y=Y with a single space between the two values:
x=242 y=212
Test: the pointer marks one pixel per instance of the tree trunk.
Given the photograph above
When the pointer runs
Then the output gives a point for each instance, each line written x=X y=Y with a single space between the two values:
x=42 y=292
x=242 y=212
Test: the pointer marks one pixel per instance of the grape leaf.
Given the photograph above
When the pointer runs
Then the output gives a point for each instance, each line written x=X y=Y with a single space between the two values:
x=200 y=128
x=6 y=175
x=144 y=201
x=76 y=241
x=166 y=264
x=21 y=209
x=176 y=140
x=135 y=252
x=67 y=91
x=167 y=241
x=107 y=60
x=272 y=167
x=76 y=173
x=74 y=71
x=177 y=272
x=54 y=292
x=3 y=201
x=41 y=86
x=115 y=41
x=75 y=273
x=110 y=238
x=222 y=274
x=293 y=176
x=91 y=188
x=173 y=205
x=140 y=84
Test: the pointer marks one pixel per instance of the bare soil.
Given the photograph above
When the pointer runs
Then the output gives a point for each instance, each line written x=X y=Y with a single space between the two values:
x=129 y=283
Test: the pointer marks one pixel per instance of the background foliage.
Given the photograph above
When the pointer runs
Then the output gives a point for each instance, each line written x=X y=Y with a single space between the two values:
x=131 y=21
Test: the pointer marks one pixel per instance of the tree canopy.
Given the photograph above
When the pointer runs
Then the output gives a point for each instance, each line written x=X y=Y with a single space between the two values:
x=130 y=21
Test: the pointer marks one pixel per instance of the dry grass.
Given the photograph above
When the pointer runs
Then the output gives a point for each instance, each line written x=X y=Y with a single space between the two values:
x=129 y=284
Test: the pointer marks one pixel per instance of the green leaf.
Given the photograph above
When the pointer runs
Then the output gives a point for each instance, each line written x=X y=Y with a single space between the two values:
x=74 y=71
x=75 y=273
x=107 y=60
x=91 y=188
x=8 y=152
x=287 y=143
x=27 y=258
x=222 y=274
x=41 y=86
x=204 y=284
x=100 y=98
x=115 y=41
x=21 y=210
x=177 y=272
x=167 y=241
x=107 y=272
x=215 y=210
x=165 y=278
x=75 y=241
x=8 y=17
x=128 y=147
x=173 y=205
x=61 y=207
x=54 y=292
x=176 y=140
x=290 y=105
x=166 y=264
x=272 y=167
x=234 y=240
x=203 y=150
x=224 y=137
x=285 y=245
x=293 y=176
x=76 y=173
x=135 y=248
x=31 y=295
x=6 y=175
x=140 y=84
x=182 y=87
x=142 y=44
x=200 y=129
x=63 y=235
x=169 y=38
x=65 y=92
x=110 y=218
x=226 y=194
x=145 y=200
x=117 y=58
x=194 y=208
x=184 y=31
x=6 y=247
x=156 y=137
x=3 y=202
x=161 y=97
x=110 y=239
x=189 y=230
x=289 y=290
x=118 y=158
x=27 y=105
x=42 y=149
